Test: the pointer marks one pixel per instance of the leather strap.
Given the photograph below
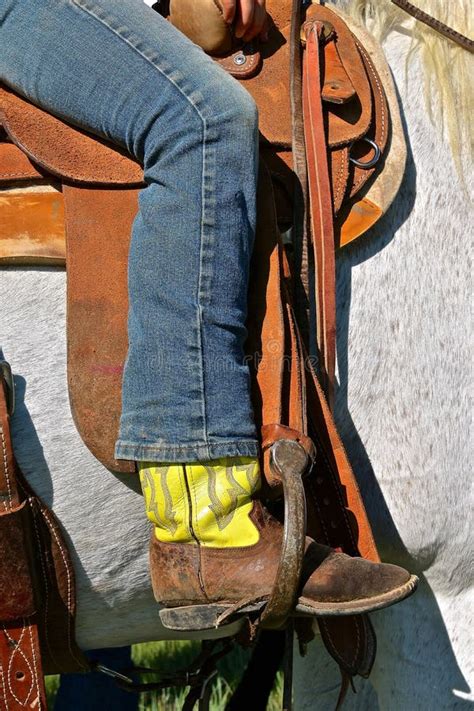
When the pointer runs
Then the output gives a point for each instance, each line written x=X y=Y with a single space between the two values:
x=97 y=337
x=320 y=205
x=16 y=167
x=436 y=25
x=301 y=199
x=21 y=675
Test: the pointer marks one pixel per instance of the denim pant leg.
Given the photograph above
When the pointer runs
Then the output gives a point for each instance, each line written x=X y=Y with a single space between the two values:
x=120 y=70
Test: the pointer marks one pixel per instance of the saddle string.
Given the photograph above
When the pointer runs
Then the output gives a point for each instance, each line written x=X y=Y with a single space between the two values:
x=436 y=24
x=320 y=205
x=300 y=202
x=198 y=675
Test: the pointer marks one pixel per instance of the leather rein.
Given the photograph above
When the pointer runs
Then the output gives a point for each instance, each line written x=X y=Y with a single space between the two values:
x=436 y=25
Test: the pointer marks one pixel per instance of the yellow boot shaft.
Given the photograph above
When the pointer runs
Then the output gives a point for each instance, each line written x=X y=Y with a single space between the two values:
x=206 y=503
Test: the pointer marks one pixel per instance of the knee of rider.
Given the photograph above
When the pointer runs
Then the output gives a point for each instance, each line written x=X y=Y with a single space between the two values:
x=247 y=108
x=239 y=108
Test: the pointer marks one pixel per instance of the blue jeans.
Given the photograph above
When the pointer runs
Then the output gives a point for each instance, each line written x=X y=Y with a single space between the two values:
x=120 y=70
x=95 y=691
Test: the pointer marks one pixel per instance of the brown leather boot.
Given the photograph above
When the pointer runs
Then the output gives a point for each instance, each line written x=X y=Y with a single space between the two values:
x=213 y=547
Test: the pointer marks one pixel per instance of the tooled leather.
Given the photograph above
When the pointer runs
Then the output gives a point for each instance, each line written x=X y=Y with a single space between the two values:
x=269 y=87
x=34 y=556
x=21 y=677
x=55 y=581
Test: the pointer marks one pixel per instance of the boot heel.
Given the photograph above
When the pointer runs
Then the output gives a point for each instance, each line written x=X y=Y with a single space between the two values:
x=198 y=618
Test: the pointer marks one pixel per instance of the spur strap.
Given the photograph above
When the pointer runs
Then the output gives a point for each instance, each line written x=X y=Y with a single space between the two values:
x=21 y=674
x=435 y=24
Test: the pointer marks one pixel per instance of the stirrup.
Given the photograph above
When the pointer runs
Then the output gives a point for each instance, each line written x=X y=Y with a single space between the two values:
x=289 y=461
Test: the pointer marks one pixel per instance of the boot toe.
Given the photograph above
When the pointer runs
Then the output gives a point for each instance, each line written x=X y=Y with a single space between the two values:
x=352 y=584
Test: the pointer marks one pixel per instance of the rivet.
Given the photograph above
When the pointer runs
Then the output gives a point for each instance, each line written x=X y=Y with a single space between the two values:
x=240 y=59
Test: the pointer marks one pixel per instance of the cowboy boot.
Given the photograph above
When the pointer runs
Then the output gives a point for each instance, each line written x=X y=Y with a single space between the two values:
x=214 y=543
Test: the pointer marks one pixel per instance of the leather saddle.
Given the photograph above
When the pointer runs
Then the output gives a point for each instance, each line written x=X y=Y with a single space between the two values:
x=321 y=186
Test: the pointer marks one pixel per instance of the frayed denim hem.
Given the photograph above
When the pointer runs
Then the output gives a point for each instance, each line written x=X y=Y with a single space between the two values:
x=183 y=453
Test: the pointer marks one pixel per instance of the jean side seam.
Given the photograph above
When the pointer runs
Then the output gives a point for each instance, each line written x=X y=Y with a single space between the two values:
x=201 y=289
x=107 y=25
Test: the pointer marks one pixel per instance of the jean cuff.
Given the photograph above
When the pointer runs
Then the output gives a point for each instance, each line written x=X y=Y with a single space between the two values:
x=194 y=452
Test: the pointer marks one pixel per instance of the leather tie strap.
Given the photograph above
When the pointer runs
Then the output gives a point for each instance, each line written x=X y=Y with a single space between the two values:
x=436 y=25
x=321 y=207
x=21 y=676
x=301 y=199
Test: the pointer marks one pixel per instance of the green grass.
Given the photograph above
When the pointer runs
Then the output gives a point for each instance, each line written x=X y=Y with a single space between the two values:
x=52 y=683
x=171 y=656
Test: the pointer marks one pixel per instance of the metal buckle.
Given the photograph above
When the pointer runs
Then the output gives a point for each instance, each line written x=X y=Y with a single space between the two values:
x=7 y=375
x=113 y=674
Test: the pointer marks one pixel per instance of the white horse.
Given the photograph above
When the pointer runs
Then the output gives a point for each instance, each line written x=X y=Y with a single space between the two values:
x=402 y=408
x=403 y=405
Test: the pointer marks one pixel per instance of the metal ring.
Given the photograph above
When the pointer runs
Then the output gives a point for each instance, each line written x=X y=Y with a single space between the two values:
x=370 y=163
